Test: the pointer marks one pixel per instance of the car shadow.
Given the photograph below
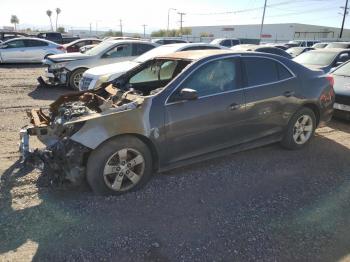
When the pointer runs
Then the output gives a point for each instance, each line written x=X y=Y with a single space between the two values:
x=340 y=124
x=262 y=204
x=48 y=93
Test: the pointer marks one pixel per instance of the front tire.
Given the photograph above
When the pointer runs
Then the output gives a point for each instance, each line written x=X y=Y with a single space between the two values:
x=300 y=129
x=75 y=77
x=120 y=165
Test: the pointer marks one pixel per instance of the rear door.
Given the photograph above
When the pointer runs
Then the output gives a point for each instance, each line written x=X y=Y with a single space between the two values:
x=213 y=121
x=14 y=52
x=270 y=96
x=141 y=48
x=35 y=50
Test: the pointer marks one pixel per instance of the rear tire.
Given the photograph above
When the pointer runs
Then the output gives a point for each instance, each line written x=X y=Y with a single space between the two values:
x=118 y=166
x=75 y=77
x=300 y=130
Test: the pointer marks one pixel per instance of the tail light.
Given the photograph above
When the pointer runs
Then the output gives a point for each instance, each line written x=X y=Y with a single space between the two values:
x=60 y=47
x=328 y=96
x=330 y=79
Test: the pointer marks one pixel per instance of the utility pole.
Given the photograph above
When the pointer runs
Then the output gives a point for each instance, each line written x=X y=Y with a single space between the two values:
x=144 y=31
x=181 y=21
x=121 y=27
x=344 y=15
x=167 y=28
x=90 y=29
x=262 y=21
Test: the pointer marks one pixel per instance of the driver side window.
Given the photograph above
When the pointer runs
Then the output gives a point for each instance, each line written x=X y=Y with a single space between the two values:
x=118 y=51
x=214 y=77
x=15 y=44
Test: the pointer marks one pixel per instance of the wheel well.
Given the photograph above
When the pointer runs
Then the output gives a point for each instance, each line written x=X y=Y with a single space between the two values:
x=316 y=111
x=148 y=143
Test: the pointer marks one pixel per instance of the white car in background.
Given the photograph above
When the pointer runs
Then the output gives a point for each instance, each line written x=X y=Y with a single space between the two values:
x=96 y=76
x=28 y=50
x=67 y=69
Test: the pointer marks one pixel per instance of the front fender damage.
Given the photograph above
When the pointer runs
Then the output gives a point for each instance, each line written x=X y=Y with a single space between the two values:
x=63 y=157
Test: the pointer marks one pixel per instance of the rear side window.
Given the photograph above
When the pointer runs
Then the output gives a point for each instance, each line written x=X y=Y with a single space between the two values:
x=139 y=49
x=283 y=73
x=226 y=43
x=34 y=43
x=260 y=71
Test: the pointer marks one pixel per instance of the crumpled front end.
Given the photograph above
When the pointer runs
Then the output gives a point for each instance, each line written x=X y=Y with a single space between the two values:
x=55 y=73
x=62 y=156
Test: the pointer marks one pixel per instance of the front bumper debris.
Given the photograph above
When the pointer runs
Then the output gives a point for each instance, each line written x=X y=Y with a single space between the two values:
x=62 y=158
x=56 y=77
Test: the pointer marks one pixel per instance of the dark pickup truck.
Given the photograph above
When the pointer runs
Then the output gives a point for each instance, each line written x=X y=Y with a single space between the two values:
x=6 y=35
x=57 y=37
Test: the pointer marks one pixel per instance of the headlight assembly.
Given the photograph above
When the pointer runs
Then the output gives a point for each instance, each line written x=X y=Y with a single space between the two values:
x=59 y=65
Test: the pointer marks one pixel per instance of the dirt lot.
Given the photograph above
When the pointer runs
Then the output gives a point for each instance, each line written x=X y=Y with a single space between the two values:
x=265 y=204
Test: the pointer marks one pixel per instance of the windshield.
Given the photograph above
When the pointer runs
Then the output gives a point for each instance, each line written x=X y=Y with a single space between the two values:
x=162 y=50
x=343 y=70
x=316 y=58
x=216 y=41
x=99 y=48
x=152 y=75
x=338 y=45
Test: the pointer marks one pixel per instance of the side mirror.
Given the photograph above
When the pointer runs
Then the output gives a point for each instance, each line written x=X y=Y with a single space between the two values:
x=188 y=94
x=3 y=46
x=338 y=63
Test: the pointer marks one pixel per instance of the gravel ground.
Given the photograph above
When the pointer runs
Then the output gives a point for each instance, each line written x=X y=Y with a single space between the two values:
x=266 y=204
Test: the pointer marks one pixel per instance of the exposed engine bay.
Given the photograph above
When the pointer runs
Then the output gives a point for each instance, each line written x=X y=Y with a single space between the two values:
x=65 y=117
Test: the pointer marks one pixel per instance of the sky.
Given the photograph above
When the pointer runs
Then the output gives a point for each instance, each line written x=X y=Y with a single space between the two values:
x=106 y=14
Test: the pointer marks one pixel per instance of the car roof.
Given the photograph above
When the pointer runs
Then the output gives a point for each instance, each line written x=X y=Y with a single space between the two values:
x=30 y=38
x=330 y=50
x=129 y=41
x=182 y=45
x=200 y=54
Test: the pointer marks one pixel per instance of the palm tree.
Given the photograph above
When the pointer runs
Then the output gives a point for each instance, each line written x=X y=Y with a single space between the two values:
x=14 y=20
x=49 y=13
x=58 y=11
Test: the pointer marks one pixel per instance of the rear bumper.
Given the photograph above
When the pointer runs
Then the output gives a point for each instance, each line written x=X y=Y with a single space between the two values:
x=342 y=114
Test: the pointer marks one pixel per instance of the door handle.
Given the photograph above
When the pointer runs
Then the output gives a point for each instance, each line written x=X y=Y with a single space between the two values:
x=288 y=93
x=234 y=106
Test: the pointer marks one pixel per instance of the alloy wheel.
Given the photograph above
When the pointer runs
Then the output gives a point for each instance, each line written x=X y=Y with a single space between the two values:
x=124 y=169
x=302 y=129
x=76 y=79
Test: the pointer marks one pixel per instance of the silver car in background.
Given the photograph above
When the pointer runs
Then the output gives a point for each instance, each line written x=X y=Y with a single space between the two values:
x=67 y=69
x=28 y=50
x=96 y=76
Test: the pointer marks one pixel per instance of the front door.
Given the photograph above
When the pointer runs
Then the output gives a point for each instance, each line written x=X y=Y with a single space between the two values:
x=211 y=122
x=14 y=52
